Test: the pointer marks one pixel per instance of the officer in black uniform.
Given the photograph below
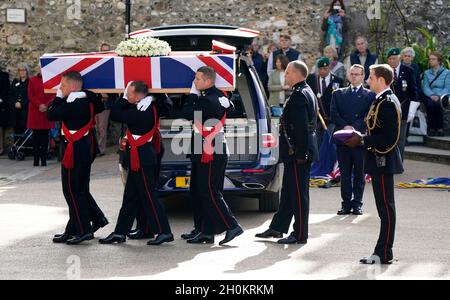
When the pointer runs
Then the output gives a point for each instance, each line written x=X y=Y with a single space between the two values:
x=383 y=158
x=163 y=105
x=323 y=84
x=404 y=87
x=298 y=149
x=76 y=109
x=141 y=117
x=207 y=106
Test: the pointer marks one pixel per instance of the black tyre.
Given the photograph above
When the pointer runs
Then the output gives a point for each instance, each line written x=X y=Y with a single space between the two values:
x=20 y=156
x=11 y=155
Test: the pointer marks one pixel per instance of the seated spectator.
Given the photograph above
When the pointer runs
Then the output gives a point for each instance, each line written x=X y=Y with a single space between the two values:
x=408 y=54
x=279 y=91
x=337 y=68
x=361 y=56
x=435 y=83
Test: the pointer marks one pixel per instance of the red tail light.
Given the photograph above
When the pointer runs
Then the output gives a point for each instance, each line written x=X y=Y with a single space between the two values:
x=268 y=140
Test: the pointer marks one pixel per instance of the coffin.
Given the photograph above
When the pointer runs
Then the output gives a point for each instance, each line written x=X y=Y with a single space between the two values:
x=105 y=72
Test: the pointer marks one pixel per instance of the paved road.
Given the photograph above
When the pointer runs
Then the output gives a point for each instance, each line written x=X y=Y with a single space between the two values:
x=32 y=209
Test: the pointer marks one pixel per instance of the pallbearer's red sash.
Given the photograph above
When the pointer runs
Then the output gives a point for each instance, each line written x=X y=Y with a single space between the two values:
x=152 y=135
x=209 y=135
x=71 y=138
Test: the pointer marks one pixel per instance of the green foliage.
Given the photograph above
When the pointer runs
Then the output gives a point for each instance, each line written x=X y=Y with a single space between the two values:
x=429 y=45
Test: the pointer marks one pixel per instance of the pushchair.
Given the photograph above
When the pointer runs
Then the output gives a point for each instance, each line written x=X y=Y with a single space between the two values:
x=22 y=145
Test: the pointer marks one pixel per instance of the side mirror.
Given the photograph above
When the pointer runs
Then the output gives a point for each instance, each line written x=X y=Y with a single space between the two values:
x=445 y=102
x=276 y=111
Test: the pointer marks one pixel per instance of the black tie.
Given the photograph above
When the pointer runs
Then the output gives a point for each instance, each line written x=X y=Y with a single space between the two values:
x=395 y=75
x=355 y=90
x=324 y=86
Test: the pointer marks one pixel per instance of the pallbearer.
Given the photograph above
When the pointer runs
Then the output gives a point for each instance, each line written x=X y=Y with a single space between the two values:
x=209 y=155
x=141 y=117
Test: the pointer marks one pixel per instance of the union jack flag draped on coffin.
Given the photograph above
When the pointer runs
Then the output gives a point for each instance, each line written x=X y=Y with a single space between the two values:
x=106 y=72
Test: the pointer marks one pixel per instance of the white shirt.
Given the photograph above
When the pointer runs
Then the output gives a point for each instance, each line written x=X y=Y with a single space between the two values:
x=379 y=94
x=357 y=87
x=397 y=71
x=327 y=82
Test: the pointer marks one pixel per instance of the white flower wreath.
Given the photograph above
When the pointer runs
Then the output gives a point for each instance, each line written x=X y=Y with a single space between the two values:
x=145 y=46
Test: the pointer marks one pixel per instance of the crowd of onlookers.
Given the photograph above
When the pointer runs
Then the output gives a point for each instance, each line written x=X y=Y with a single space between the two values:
x=270 y=62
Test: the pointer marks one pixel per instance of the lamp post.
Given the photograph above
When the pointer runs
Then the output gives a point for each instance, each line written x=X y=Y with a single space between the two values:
x=127 y=18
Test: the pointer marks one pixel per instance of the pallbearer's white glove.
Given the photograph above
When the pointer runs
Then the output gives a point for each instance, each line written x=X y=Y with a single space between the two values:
x=126 y=91
x=224 y=102
x=75 y=95
x=194 y=90
x=412 y=110
x=145 y=103
x=59 y=93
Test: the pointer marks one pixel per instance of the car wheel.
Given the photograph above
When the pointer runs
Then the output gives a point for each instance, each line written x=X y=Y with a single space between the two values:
x=269 y=201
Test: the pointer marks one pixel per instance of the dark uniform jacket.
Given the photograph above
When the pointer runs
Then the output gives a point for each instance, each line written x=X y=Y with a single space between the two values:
x=209 y=105
x=325 y=100
x=298 y=126
x=140 y=123
x=19 y=93
x=5 y=107
x=405 y=88
x=75 y=116
x=348 y=108
x=383 y=134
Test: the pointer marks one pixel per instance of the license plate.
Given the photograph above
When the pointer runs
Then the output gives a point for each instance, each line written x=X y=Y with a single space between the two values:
x=182 y=182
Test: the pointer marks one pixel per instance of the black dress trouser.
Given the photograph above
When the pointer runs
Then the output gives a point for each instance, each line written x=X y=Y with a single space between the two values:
x=141 y=192
x=294 y=201
x=383 y=189
x=211 y=213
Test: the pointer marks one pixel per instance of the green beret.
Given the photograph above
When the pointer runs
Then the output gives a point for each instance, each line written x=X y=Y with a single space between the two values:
x=393 y=51
x=323 y=62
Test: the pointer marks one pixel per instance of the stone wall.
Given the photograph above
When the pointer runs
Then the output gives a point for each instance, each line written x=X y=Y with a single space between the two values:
x=79 y=25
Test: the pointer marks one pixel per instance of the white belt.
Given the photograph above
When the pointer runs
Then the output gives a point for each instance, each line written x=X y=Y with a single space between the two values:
x=73 y=132
x=135 y=136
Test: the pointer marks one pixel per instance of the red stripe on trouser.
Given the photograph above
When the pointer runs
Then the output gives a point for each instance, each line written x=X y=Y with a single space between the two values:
x=137 y=69
x=389 y=219
x=151 y=201
x=74 y=203
x=299 y=203
x=79 y=67
x=213 y=199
